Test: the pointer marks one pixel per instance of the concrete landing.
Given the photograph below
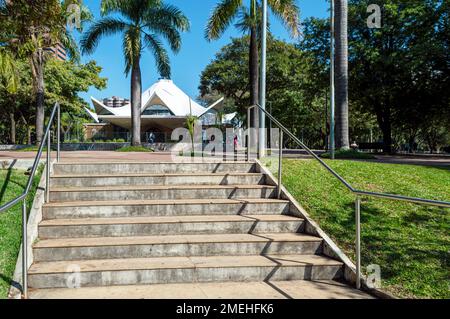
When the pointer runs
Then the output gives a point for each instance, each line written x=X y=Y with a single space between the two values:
x=220 y=290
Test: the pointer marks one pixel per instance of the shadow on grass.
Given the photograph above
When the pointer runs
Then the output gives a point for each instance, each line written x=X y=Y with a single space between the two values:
x=5 y=184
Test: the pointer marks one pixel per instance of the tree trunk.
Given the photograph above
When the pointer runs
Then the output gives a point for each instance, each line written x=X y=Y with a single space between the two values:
x=12 y=134
x=37 y=67
x=254 y=78
x=387 y=137
x=341 y=75
x=136 y=101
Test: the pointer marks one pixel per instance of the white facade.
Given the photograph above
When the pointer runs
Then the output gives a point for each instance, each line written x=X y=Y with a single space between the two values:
x=164 y=107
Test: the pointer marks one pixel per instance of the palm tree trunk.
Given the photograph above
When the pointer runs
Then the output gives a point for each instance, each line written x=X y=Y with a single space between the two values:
x=136 y=102
x=37 y=66
x=341 y=74
x=254 y=77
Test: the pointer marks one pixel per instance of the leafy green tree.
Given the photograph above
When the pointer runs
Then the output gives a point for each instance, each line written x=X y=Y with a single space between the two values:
x=399 y=74
x=141 y=23
x=66 y=79
x=292 y=95
x=34 y=26
x=249 y=21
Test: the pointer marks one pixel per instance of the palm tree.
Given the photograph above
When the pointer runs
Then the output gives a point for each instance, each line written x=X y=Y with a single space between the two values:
x=341 y=74
x=249 y=20
x=141 y=22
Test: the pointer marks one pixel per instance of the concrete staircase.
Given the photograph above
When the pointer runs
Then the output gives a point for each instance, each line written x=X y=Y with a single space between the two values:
x=124 y=228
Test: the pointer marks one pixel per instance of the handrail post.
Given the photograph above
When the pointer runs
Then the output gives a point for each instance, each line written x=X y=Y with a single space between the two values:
x=58 y=135
x=358 y=241
x=24 y=250
x=280 y=165
x=47 y=173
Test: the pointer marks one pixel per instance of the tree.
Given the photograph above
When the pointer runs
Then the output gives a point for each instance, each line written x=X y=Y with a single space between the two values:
x=9 y=82
x=399 y=74
x=249 y=22
x=341 y=74
x=35 y=26
x=291 y=86
x=141 y=23
x=65 y=80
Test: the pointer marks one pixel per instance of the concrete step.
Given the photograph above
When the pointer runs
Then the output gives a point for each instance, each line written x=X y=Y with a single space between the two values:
x=75 y=180
x=184 y=207
x=161 y=192
x=96 y=168
x=290 y=289
x=141 y=271
x=169 y=225
x=175 y=245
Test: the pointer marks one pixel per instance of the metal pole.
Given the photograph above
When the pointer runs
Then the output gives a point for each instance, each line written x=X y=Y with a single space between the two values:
x=358 y=241
x=24 y=251
x=248 y=145
x=280 y=164
x=332 y=90
x=58 y=135
x=249 y=132
x=47 y=173
x=262 y=89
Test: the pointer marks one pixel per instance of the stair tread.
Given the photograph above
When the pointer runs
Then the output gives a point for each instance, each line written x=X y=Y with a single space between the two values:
x=174 y=239
x=164 y=202
x=152 y=175
x=183 y=263
x=298 y=289
x=201 y=162
x=156 y=187
x=166 y=220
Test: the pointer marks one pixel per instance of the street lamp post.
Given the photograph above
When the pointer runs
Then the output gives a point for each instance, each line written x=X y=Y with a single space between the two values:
x=332 y=91
x=262 y=89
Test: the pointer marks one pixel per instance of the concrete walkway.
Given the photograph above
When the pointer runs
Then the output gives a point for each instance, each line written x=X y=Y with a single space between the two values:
x=224 y=290
x=101 y=156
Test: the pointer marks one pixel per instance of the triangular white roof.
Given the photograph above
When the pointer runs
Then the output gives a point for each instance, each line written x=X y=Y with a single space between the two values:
x=163 y=92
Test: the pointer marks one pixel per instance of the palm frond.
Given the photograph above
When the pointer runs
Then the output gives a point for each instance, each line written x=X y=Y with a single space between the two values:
x=167 y=14
x=160 y=54
x=9 y=75
x=289 y=14
x=69 y=43
x=132 y=48
x=221 y=17
x=105 y=26
x=168 y=21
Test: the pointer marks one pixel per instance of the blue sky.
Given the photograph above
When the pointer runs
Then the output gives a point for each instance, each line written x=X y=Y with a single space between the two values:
x=195 y=53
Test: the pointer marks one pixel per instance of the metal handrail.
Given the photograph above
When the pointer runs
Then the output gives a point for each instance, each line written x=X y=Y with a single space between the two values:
x=22 y=198
x=358 y=193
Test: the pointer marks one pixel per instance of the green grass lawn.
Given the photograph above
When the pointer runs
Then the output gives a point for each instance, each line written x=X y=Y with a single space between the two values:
x=12 y=183
x=135 y=149
x=411 y=243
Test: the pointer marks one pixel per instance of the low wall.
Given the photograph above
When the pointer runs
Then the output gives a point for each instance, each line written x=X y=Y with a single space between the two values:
x=13 y=147
x=71 y=147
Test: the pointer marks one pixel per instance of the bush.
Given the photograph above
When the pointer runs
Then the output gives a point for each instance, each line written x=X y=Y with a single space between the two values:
x=349 y=154
x=73 y=141
x=139 y=149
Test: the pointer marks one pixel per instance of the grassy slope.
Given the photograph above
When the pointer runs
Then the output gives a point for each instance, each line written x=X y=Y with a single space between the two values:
x=411 y=243
x=12 y=184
